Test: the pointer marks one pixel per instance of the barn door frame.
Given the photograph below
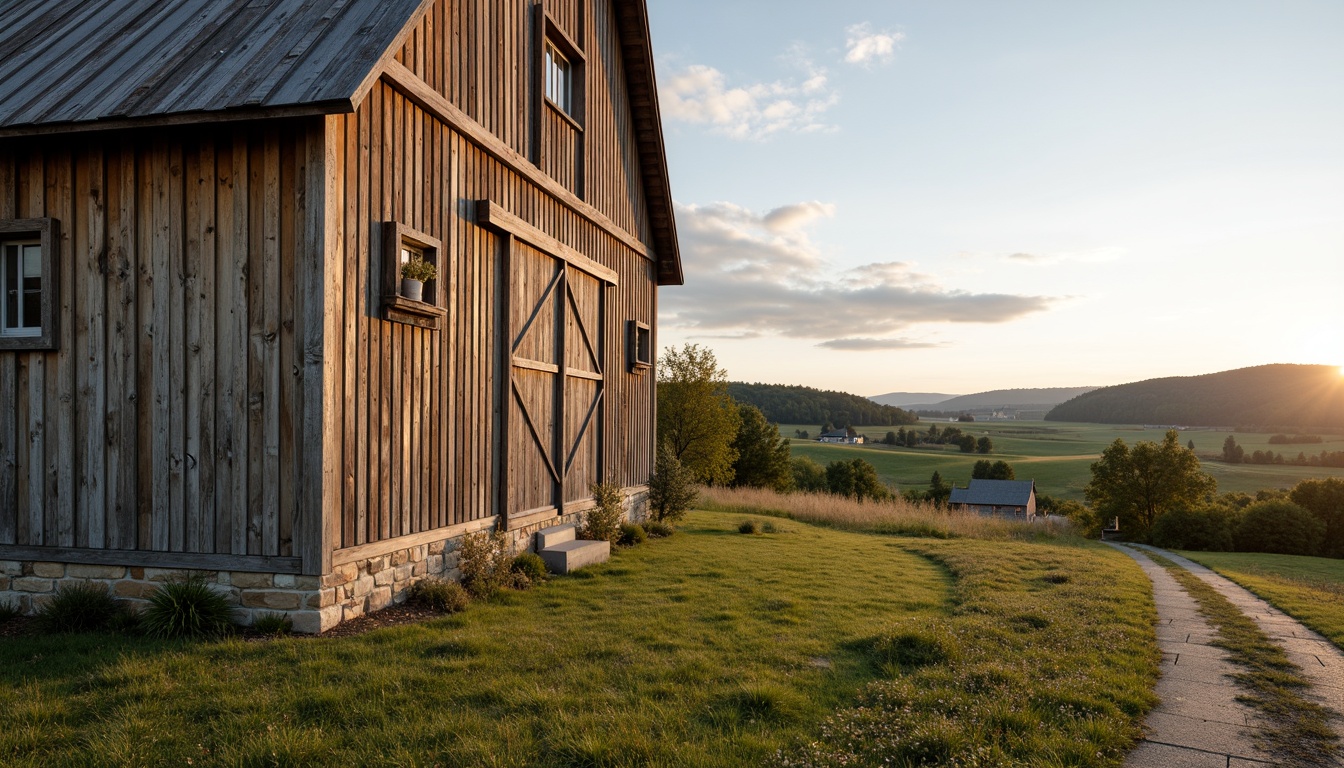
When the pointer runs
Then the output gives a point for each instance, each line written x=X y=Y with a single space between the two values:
x=558 y=448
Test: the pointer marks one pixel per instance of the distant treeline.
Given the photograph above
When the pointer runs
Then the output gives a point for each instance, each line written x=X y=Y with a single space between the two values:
x=784 y=404
x=1235 y=454
x=1294 y=439
x=1289 y=395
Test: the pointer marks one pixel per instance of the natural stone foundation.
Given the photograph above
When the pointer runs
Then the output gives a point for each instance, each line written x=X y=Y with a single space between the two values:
x=314 y=603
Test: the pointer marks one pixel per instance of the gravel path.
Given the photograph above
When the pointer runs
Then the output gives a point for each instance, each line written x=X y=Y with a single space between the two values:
x=1200 y=723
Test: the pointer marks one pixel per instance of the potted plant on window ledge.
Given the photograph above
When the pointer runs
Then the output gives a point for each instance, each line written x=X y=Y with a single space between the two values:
x=414 y=274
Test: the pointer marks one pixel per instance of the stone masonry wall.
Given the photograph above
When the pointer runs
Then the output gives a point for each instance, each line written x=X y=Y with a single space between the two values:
x=314 y=603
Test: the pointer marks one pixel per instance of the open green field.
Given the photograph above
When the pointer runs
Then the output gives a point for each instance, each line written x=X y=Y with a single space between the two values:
x=1058 y=455
x=711 y=648
x=1310 y=589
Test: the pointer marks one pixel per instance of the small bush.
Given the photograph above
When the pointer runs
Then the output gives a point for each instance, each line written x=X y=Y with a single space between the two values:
x=485 y=563
x=672 y=488
x=531 y=565
x=633 y=534
x=769 y=527
x=658 y=529
x=1279 y=527
x=438 y=595
x=186 y=608
x=1205 y=530
x=749 y=526
x=272 y=624
x=603 y=522
x=78 y=607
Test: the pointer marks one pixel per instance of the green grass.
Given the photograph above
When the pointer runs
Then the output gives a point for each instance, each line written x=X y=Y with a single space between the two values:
x=1300 y=728
x=1310 y=589
x=1059 y=455
x=709 y=648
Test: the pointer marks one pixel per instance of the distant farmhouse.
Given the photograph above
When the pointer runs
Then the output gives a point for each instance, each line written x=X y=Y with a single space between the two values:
x=840 y=436
x=999 y=498
x=211 y=358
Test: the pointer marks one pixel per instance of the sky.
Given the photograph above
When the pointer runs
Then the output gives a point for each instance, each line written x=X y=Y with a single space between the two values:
x=942 y=196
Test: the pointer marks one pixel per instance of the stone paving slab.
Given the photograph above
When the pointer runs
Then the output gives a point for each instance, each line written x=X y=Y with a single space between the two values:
x=1199 y=721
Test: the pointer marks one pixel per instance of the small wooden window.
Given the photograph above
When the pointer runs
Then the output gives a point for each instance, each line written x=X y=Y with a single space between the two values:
x=640 y=347
x=559 y=79
x=28 y=284
x=400 y=245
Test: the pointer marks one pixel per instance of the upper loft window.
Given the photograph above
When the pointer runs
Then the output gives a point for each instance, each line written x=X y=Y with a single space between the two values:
x=28 y=283
x=559 y=79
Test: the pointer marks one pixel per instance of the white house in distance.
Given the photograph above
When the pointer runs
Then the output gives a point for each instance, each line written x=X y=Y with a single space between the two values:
x=1000 y=498
x=840 y=436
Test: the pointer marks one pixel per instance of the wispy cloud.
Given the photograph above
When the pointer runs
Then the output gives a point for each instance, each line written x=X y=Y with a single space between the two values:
x=865 y=46
x=876 y=345
x=1087 y=256
x=759 y=274
x=702 y=95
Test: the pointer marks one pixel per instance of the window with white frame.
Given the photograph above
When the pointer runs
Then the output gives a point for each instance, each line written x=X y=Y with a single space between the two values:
x=28 y=283
x=559 y=79
x=21 y=298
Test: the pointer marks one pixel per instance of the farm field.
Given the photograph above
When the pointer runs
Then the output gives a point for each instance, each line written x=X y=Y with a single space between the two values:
x=1058 y=455
x=1310 y=589
x=710 y=648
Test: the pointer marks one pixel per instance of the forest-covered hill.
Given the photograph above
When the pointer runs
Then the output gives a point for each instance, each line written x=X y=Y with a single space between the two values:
x=785 y=404
x=1007 y=398
x=1306 y=396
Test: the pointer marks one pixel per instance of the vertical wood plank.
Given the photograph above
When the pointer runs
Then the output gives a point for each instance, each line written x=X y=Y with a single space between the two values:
x=270 y=364
x=9 y=382
x=60 y=395
x=291 y=221
x=239 y=408
x=208 y=307
x=90 y=265
x=229 y=349
x=190 y=371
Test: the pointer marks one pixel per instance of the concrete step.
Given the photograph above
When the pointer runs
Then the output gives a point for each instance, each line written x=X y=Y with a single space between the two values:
x=572 y=555
x=556 y=534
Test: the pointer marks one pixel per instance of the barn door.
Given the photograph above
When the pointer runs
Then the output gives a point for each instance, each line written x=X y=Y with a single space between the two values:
x=555 y=384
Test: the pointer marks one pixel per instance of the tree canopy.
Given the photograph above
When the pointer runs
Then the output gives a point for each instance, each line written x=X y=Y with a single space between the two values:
x=762 y=455
x=784 y=404
x=1139 y=484
x=696 y=417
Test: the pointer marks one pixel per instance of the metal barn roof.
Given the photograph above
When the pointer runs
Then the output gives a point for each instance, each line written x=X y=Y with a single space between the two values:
x=998 y=493
x=80 y=61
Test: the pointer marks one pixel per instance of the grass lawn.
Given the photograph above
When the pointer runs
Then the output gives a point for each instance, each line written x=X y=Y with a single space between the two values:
x=1059 y=455
x=1310 y=589
x=710 y=648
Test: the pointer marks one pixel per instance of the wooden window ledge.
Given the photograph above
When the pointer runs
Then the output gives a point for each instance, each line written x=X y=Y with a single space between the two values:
x=399 y=309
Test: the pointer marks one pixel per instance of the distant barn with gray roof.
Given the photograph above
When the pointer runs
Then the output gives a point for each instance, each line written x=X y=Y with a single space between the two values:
x=1006 y=498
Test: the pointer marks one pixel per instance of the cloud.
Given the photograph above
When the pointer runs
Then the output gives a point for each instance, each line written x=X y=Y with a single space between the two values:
x=876 y=345
x=864 y=46
x=701 y=95
x=1087 y=256
x=759 y=274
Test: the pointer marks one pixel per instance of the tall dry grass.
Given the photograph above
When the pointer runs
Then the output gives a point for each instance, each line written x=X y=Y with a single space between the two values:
x=896 y=516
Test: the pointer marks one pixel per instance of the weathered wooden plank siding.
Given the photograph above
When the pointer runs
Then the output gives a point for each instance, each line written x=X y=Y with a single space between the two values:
x=181 y=329
x=482 y=56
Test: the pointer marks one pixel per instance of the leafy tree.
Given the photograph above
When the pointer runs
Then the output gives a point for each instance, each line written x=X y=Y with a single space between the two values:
x=1083 y=518
x=1324 y=499
x=939 y=491
x=890 y=439
x=966 y=443
x=671 y=488
x=984 y=445
x=985 y=469
x=1232 y=453
x=696 y=417
x=855 y=478
x=1190 y=445
x=808 y=475
x=762 y=455
x=1208 y=529
x=965 y=417
x=1139 y=484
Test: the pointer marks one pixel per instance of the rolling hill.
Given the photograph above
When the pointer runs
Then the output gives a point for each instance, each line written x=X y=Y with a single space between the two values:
x=1301 y=396
x=903 y=399
x=1042 y=397
x=785 y=404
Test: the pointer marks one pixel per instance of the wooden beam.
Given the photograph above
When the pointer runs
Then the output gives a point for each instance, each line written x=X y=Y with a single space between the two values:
x=412 y=87
x=489 y=214
x=150 y=559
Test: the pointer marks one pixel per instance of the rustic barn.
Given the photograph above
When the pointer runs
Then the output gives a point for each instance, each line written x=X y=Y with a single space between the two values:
x=997 y=498
x=205 y=361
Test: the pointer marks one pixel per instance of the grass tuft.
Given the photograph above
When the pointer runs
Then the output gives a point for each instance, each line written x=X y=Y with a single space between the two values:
x=440 y=595
x=272 y=624
x=85 y=606
x=186 y=609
